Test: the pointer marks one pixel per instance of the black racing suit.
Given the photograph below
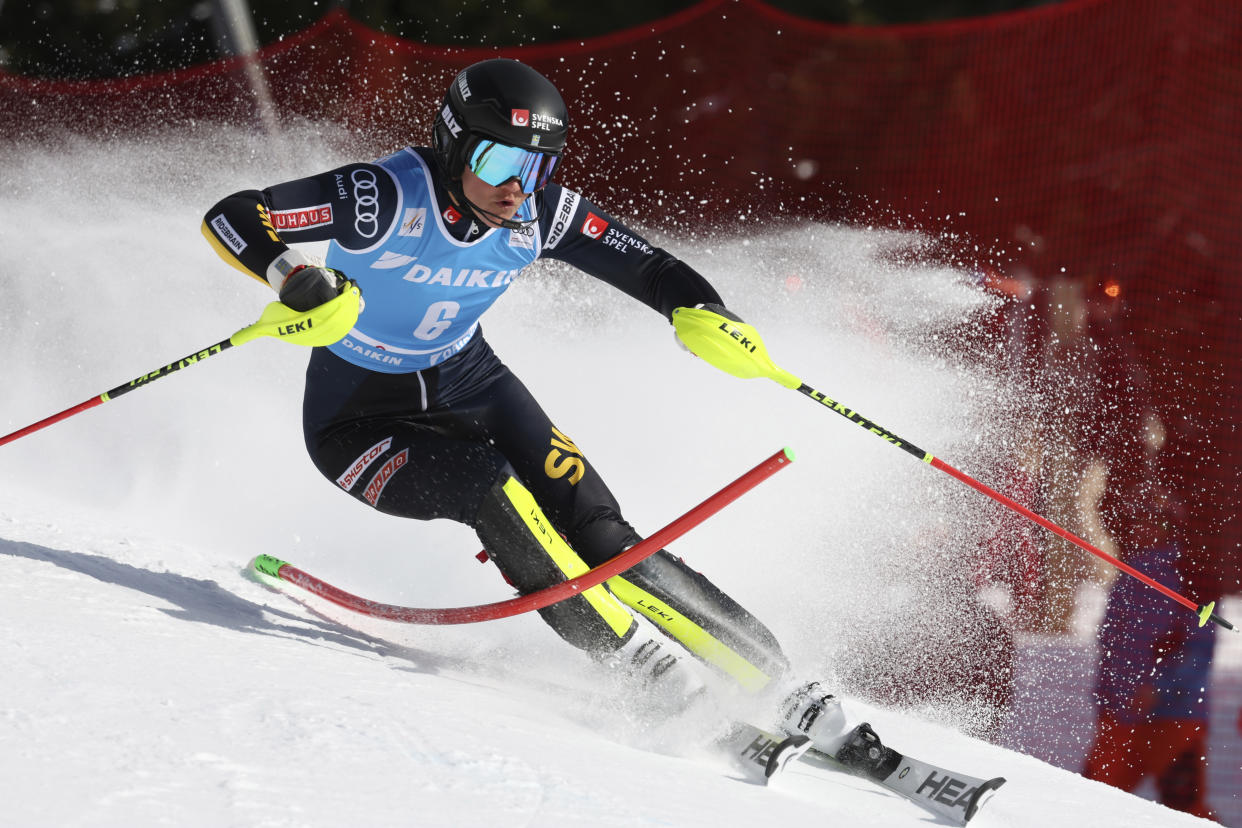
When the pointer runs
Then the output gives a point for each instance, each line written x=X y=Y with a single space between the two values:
x=441 y=442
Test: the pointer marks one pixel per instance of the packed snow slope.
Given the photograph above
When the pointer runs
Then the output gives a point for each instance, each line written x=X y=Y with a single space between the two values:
x=147 y=680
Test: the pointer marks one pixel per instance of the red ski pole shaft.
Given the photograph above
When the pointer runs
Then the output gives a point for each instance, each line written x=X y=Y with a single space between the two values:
x=107 y=396
x=321 y=325
x=1054 y=528
x=1205 y=612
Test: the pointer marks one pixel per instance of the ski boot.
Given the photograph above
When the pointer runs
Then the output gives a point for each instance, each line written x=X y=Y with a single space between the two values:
x=668 y=678
x=809 y=710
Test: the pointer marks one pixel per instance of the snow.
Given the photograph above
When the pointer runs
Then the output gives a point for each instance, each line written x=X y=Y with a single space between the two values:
x=148 y=681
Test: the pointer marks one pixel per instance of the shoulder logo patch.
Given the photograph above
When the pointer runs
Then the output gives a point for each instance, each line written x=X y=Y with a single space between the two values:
x=413 y=222
x=594 y=226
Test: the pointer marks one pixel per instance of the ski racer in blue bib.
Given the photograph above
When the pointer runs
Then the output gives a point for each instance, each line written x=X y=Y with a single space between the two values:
x=425 y=288
x=414 y=415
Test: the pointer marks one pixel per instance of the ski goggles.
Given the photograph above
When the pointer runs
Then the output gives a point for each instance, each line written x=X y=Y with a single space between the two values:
x=498 y=163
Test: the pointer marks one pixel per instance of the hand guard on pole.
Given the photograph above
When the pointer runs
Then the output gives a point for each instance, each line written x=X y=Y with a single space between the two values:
x=721 y=339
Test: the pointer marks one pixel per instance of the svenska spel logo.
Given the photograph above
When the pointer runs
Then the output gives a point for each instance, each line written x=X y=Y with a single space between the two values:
x=594 y=226
x=521 y=117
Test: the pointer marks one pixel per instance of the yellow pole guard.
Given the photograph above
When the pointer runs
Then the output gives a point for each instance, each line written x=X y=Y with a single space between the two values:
x=562 y=554
x=691 y=636
x=734 y=347
x=324 y=325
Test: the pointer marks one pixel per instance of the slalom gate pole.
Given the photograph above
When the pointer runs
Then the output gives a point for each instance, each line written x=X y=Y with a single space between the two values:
x=272 y=567
x=741 y=353
x=323 y=325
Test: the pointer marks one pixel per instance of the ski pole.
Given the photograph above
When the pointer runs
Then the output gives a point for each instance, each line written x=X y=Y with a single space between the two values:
x=323 y=325
x=737 y=349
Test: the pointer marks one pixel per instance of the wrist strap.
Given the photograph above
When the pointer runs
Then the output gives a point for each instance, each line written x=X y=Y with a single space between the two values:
x=286 y=264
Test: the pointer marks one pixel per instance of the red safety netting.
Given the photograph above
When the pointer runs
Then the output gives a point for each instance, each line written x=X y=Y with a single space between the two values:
x=1099 y=136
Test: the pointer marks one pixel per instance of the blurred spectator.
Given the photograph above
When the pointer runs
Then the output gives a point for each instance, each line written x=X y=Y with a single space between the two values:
x=1151 y=691
x=1073 y=466
x=1088 y=430
x=1093 y=418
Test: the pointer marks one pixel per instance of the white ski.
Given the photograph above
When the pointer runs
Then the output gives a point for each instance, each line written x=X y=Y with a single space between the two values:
x=950 y=794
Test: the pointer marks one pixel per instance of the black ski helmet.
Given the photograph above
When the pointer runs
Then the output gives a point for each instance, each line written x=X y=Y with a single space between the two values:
x=501 y=100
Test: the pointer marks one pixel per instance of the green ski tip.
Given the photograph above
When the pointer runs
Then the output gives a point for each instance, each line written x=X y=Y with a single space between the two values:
x=268 y=565
x=789 y=454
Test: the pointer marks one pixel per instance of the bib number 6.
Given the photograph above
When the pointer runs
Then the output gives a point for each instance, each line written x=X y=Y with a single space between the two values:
x=437 y=320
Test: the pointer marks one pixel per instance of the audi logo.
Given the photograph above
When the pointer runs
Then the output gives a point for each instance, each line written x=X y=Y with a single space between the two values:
x=366 y=203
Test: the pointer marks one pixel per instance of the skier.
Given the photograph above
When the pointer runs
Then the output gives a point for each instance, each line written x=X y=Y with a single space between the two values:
x=414 y=415
x=1151 y=689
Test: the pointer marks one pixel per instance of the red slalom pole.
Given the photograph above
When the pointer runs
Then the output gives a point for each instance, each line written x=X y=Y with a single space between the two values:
x=276 y=568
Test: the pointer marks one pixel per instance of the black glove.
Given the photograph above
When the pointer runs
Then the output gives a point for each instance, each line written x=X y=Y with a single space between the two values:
x=720 y=310
x=306 y=287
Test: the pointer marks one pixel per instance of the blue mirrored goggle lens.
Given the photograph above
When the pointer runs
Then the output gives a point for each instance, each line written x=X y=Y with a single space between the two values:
x=497 y=163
